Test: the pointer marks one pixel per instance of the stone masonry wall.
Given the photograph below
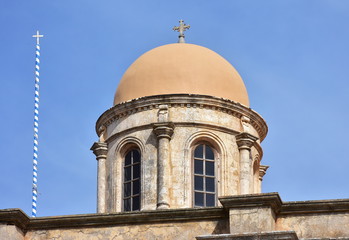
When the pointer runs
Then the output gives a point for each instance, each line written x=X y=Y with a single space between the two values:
x=321 y=225
x=177 y=231
x=11 y=232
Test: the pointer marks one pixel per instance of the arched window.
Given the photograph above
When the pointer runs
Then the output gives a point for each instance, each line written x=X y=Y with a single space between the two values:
x=132 y=175
x=204 y=176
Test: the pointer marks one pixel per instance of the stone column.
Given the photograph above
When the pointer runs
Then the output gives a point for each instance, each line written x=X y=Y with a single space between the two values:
x=100 y=150
x=163 y=131
x=245 y=141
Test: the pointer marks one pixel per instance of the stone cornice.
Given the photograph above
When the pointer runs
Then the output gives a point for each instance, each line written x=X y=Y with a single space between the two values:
x=182 y=101
x=14 y=216
x=262 y=171
x=100 y=149
x=272 y=200
x=177 y=124
x=100 y=220
x=315 y=206
x=22 y=221
x=285 y=208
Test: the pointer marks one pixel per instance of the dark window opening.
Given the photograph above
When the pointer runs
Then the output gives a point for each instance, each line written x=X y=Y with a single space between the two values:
x=132 y=175
x=204 y=177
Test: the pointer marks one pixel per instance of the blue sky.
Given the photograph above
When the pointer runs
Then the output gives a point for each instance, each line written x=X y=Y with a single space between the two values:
x=293 y=56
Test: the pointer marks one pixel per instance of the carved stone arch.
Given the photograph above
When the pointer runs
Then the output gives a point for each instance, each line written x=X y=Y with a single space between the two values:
x=122 y=147
x=255 y=164
x=128 y=142
x=255 y=174
x=216 y=142
x=207 y=136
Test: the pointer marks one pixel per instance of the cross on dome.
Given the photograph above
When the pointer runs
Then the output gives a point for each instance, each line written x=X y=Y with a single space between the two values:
x=181 y=28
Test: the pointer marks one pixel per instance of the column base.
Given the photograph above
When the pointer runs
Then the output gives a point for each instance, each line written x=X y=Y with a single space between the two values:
x=163 y=206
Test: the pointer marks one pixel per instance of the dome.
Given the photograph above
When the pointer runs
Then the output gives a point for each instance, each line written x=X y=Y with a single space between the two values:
x=181 y=68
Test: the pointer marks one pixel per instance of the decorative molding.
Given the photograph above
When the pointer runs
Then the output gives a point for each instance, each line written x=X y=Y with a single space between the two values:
x=213 y=139
x=177 y=124
x=137 y=217
x=227 y=106
x=164 y=129
x=315 y=207
x=259 y=149
x=262 y=171
x=100 y=149
x=163 y=113
x=245 y=140
x=129 y=140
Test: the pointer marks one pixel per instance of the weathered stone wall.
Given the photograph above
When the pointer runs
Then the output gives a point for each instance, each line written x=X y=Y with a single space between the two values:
x=179 y=113
x=257 y=219
x=240 y=217
x=11 y=232
x=320 y=225
x=178 y=231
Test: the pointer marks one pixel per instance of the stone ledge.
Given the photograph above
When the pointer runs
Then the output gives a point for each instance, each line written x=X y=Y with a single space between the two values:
x=284 y=208
x=275 y=235
x=20 y=219
x=315 y=206
x=272 y=200
x=14 y=216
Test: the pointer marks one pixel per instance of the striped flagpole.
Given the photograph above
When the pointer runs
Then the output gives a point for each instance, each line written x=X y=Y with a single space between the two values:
x=36 y=124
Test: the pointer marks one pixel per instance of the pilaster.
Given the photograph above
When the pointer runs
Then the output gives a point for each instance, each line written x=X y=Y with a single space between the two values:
x=262 y=171
x=100 y=149
x=164 y=132
x=245 y=141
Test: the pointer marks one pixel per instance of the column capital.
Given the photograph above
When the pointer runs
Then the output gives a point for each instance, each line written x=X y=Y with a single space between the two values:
x=262 y=171
x=245 y=140
x=100 y=149
x=164 y=129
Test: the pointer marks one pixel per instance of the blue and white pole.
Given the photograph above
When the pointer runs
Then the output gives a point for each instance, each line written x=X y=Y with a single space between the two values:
x=36 y=123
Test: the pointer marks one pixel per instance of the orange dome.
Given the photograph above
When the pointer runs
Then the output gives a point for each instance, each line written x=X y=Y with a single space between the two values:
x=181 y=68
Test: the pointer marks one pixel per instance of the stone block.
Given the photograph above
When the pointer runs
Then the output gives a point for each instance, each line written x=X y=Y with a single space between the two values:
x=252 y=212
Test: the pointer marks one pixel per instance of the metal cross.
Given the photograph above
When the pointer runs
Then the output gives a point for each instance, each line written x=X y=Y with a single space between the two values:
x=182 y=27
x=38 y=36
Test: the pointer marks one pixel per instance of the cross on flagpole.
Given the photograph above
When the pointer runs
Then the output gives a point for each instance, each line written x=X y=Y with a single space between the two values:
x=36 y=124
x=38 y=36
